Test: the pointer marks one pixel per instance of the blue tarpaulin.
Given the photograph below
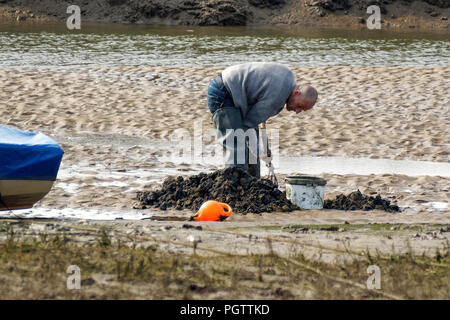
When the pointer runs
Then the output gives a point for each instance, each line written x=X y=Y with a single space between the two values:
x=28 y=156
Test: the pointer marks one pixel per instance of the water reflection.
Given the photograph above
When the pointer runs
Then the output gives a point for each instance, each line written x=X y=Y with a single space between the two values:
x=151 y=45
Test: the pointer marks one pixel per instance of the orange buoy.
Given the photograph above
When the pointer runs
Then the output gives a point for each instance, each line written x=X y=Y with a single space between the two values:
x=212 y=211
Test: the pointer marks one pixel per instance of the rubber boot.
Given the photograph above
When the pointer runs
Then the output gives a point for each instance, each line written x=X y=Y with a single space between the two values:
x=228 y=124
x=254 y=164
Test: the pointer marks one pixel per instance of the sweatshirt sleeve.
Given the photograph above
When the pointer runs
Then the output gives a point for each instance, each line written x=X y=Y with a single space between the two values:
x=259 y=89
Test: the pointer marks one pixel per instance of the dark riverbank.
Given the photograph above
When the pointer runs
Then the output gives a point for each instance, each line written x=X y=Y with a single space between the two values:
x=426 y=15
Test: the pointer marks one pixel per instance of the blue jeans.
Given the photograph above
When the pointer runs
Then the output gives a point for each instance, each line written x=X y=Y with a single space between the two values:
x=229 y=117
x=218 y=96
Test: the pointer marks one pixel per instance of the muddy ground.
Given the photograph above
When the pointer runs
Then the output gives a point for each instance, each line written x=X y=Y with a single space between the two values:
x=244 y=193
x=350 y=14
x=254 y=256
x=267 y=259
x=356 y=200
x=234 y=186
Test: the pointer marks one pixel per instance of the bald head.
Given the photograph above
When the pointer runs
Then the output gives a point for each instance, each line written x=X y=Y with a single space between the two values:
x=301 y=99
x=309 y=93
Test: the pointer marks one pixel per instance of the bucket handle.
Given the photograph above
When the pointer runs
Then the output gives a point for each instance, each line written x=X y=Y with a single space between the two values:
x=227 y=207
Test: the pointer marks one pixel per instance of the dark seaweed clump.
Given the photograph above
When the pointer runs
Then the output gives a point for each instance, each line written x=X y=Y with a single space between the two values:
x=234 y=186
x=358 y=201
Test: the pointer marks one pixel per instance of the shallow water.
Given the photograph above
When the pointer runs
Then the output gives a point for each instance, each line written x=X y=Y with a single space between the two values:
x=55 y=46
x=362 y=166
x=76 y=214
x=285 y=165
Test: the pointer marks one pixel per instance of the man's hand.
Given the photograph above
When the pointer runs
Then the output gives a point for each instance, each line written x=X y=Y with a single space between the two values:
x=266 y=156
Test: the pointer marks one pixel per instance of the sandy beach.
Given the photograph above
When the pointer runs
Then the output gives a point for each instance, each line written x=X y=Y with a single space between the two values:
x=115 y=125
x=121 y=86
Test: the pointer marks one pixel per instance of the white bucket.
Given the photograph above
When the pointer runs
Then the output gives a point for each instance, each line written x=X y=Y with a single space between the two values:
x=306 y=192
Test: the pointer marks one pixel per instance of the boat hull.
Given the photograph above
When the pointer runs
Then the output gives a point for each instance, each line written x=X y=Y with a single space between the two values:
x=22 y=194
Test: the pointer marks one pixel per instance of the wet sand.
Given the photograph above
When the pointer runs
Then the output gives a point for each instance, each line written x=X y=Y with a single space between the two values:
x=114 y=124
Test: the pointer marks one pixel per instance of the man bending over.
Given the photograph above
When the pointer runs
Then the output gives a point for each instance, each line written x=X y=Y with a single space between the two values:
x=245 y=95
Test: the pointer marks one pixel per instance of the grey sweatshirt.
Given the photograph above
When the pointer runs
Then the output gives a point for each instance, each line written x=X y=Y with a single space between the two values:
x=259 y=89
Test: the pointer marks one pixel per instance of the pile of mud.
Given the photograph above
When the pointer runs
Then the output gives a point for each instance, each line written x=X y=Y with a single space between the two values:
x=358 y=201
x=234 y=186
